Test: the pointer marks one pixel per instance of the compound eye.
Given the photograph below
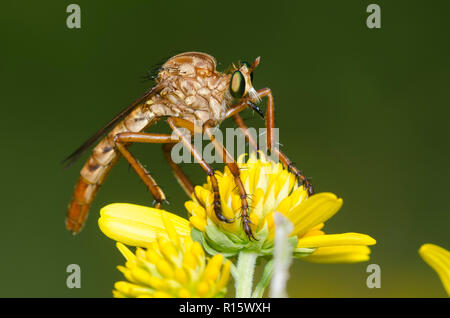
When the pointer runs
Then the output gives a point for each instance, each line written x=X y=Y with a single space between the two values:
x=237 y=85
x=248 y=67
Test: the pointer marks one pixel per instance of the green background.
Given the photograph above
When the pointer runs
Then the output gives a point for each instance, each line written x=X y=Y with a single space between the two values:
x=364 y=112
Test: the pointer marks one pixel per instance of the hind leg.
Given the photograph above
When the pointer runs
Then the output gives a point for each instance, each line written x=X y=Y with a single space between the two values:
x=122 y=139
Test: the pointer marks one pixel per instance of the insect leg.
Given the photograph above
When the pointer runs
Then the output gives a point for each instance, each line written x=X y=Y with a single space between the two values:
x=236 y=109
x=240 y=122
x=270 y=124
x=270 y=116
x=182 y=179
x=288 y=163
x=122 y=139
x=174 y=123
x=234 y=169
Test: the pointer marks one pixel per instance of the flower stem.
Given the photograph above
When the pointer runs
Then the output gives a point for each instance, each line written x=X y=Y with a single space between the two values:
x=264 y=282
x=244 y=274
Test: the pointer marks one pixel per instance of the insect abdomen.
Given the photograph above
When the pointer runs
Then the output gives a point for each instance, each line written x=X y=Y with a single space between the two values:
x=79 y=206
x=97 y=167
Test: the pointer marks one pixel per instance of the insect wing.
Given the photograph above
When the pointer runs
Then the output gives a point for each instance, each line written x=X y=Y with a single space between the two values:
x=102 y=132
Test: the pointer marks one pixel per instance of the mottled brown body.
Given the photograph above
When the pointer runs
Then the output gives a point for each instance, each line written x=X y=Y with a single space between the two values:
x=188 y=90
x=189 y=87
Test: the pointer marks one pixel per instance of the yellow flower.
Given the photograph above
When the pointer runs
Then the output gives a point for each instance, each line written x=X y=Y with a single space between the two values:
x=171 y=264
x=439 y=259
x=272 y=188
x=137 y=225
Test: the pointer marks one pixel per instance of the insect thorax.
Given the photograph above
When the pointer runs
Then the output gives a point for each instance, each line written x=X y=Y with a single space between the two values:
x=191 y=89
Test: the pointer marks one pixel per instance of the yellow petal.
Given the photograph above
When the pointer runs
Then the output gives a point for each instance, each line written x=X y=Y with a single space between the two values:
x=184 y=293
x=227 y=210
x=213 y=268
x=439 y=259
x=331 y=259
x=189 y=260
x=126 y=273
x=313 y=233
x=298 y=196
x=181 y=276
x=157 y=283
x=284 y=206
x=254 y=222
x=160 y=294
x=318 y=227
x=198 y=252
x=339 y=254
x=202 y=289
x=132 y=290
x=194 y=208
x=165 y=269
x=225 y=275
x=140 y=275
x=340 y=250
x=316 y=209
x=169 y=251
x=129 y=256
x=138 y=225
x=241 y=158
x=171 y=231
x=336 y=240
x=140 y=253
x=270 y=221
x=198 y=222
x=209 y=205
x=201 y=194
x=117 y=294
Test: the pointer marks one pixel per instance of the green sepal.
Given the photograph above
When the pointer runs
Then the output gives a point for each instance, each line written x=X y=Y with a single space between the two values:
x=199 y=236
x=220 y=241
x=215 y=241
x=196 y=235
x=303 y=252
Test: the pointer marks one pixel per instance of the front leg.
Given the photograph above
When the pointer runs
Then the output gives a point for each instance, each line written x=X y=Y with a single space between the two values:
x=175 y=123
x=234 y=169
x=271 y=146
x=270 y=142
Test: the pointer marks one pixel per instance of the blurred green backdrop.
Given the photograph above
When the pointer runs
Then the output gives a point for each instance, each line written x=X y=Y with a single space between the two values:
x=364 y=112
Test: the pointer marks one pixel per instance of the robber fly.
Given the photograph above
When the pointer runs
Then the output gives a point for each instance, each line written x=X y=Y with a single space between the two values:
x=188 y=91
